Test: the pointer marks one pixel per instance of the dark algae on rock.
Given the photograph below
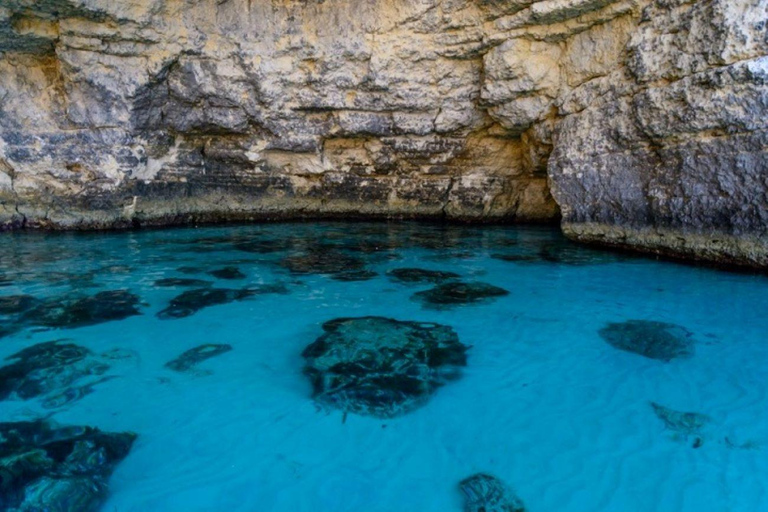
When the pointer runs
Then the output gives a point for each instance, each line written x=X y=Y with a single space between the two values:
x=457 y=293
x=50 y=468
x=486 y=493
x=227 y=273
x=683 y=425
x=74 y=311
x=174 y=282
x=194 y=356
x=655 y=340
x=50 y=369
x=420 y=275
x=380 y=366
x=192 y=301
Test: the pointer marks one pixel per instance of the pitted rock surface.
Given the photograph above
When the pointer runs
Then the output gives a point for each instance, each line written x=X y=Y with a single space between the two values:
x=381 y=367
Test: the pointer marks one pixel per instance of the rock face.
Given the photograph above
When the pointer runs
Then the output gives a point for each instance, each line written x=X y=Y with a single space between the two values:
x=644 y=120
x=667 y=152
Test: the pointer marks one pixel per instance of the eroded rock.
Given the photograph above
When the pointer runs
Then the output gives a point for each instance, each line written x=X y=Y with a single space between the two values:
x=486 y=493
x=420 y=275
x=381 y=367
x=192 y=301
x=194 y=356
x=655 y=340
x=231 y=273
x=177 y=282
x=52 y=370
x=684 y=425
x=46 y=467
x=76 y=311
x=459 y=293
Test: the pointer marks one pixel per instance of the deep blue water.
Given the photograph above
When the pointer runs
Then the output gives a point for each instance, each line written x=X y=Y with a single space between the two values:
x=546 y=403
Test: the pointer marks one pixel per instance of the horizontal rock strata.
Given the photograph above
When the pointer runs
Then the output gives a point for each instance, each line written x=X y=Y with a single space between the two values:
x=642 y=122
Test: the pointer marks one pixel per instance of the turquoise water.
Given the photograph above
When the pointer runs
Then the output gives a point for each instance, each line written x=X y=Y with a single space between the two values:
x=545 y=403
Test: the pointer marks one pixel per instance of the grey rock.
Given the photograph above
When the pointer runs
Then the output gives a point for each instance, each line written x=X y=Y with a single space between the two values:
x=380 y=366
x=655 y=340
x=486 y=493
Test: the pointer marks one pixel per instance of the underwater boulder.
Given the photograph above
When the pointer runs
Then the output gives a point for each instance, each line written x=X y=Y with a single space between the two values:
x=192 y=301
x=380 y=366
x=49 y=367
x=683 y=425
x=354 y=275
x=420 y=275
x=72 y=311
x=190 y=270
x=45 y=467
x=655 y=340
x=457 y=293
x=322 y=260
x=15 y=304
x=181 y=282
x=230 y=273
x=265 y=246
x=194 y=356
x=486 y=493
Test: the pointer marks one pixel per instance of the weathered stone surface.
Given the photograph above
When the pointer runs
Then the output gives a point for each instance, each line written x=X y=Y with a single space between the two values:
x=57 y=468
x=381 y=367
x=136 y=114
x=669 y=155
x=643 y=119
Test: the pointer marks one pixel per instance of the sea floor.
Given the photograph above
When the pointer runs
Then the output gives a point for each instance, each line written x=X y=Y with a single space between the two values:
x=592 y=381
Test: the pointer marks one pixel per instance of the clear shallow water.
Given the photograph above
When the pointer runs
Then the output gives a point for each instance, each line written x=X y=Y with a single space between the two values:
x=544 y=403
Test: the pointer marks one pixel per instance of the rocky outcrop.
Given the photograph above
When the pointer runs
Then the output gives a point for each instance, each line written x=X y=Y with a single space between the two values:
x=641 y=120
x=667 y=153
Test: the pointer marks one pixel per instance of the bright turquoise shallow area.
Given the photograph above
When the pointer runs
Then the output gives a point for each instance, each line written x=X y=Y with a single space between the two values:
x=545 y=403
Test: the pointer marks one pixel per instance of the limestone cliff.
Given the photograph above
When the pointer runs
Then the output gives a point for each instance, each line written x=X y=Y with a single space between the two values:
x=644 y=120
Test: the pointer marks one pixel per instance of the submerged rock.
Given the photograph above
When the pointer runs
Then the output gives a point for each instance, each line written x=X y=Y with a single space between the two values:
x=355 y=275
x=190 y=270
x=381 y=367
x=172 y=282
x=656 y=340
x=227 y=273
x=452 y=294
x=420 y=275
x=71 y=312
x=265 y=246
x=44 y=467
x=194 y=356
x=322 y=260
x=683 y=424
x=14 y=304
x=46 y=368
x=486 y=493
x=192 y=301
